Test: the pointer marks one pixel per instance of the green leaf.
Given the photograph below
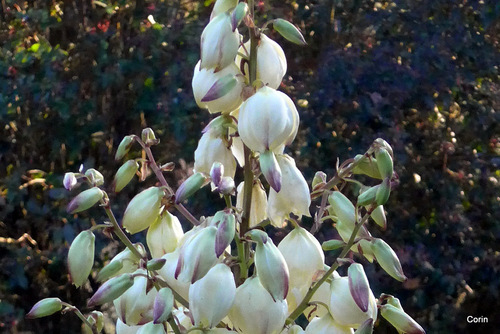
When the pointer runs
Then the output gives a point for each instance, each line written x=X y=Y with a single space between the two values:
x=289 y=31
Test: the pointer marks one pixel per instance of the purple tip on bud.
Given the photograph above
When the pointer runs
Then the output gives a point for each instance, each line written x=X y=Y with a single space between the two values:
x=271 y=170
x=69 y=180
x=216 y=173
x=359 y=286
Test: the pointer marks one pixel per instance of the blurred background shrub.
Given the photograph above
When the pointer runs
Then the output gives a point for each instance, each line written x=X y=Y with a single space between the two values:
x=77 y=76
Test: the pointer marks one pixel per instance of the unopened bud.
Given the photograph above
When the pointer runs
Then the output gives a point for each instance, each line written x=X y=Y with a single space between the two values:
x=193 y=183
x=359 y=286
x=69 y=180
x=319 y=178
x=85 y=200
x=384 y=163
x=365 y=328
x=111 y=290
x=143 y=210
x=124 y=147
x=148 y=137
x=125 y=174
x=163 y=304
x=289 y=31
x=343 y=208
x=368 y=196
x=400 y=320
x=332 y=244
x=380 y=143
x=271 y=266
x=150 y=328
x=326 y=325
x=366 y=166
x=226 y=226
x=222 y=6
x=378 y=216
x=387 y=259
x=81 y=257
x=96 y=320
x=226 y=186
x=271 y=169
x=155 y=264
x=383 y=192
x=219 y=43
x=164 y=234
x=110 y=270
x=238 y=14
x=95 y=177
x=216 y=173
x=44 y=308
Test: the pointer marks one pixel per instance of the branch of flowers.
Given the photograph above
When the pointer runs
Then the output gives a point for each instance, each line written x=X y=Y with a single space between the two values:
x=81 y=316
x=163 y=181
x=305 y=302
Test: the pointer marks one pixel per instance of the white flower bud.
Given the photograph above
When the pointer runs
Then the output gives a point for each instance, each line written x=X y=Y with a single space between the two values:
x=344 y=309
x=271 y=64
x=81 y=257
x=111 y=290
x=387 y=259
x=254 y=310
x=95 y=177
x=143 y=210
x=326 y=325
x=135 y=306
x=167 y=273
x=211 y=297
x=219 y=43
x=69 y=181
x=268 y=120
x=163 y=305
x=400 y=320
x=212 y=149
x=295 y=329
x=125 y=174
x=293 y=196
x=303 y=256
x=222 y=6
x=230 y=95
x=259 y=203
x=164 y=235
x=151 y=328
x=197 y=255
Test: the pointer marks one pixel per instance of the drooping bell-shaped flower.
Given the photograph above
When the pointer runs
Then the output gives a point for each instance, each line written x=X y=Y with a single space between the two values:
x=218 y=91
x=295 y=329
x=219 y=43
x=211 y=149
x=271 y=64
x=167 y=273
x=293 y=196
x=164 y=234
x=135 y=306
x=151 y=328
x=268 y=120
x=122 y=328
x=81 y=257
x=270 y=265
x=197 y=255
x=143 y=210
x=303 y=255
x=327 y=325
x=344 y=308
x=259 y=203
x=211 y=297
x=222 y=6
x=255 y=311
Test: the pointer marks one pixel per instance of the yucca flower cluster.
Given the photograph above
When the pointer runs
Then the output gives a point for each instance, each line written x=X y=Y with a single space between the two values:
x=225 y=274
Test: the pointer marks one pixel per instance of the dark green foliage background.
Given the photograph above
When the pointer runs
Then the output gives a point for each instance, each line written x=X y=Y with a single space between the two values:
x=76 y=76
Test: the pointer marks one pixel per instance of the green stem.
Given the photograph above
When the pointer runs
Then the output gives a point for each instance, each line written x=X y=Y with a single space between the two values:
x=241 y=257
x=305 y=302
x=227 y=198
x=81 y=316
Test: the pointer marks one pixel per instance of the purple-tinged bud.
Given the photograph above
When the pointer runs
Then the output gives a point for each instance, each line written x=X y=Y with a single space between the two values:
x=255 y=311
x=163 y=305
x=155 y=264
x=81 y=257
x=343 y=307
x=387 y=259
x=69 y=181
x=44 y=308
x=326 y=325
x=367 y=166
x=216 y=173
x=143 y=210
x=124 y=147
x=111 y=290
x=226 y=227
x=167 y=273
x=85 y=200
x=164 y=234
x=270 y=265
x=359 y=286
x=135 y=305
x=259 y=203
x=226 y=186
x=383 y=192
x=148 y=137
x=384 y=163
x=95 y=177
x=211 y=297
x=365 y=328
x=271 y=169
x=238 y=14
x=125 y=174
x=219 y=43
x=289 y=31
x=193 y=183
x=197 y=255
x=294 y=194
x=343 y=208
x=378 y=216
x=400 y=320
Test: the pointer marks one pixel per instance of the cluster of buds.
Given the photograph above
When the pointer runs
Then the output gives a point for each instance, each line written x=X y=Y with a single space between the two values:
x=196 y=280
